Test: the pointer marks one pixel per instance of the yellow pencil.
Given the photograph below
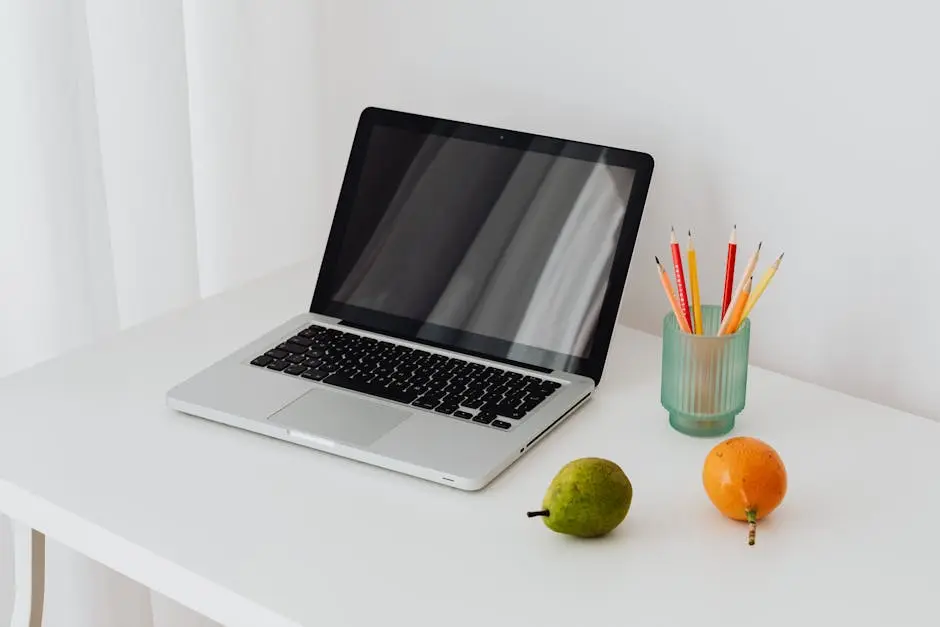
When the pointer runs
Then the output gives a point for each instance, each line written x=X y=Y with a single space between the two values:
x=761 y=286
x=748 y=273
x=693 y=281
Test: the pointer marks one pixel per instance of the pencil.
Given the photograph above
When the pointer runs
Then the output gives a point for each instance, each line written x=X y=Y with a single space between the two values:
x=680 y=278
x=748 y=272
x=729 y=270
x=761 y=286
x=667 y=287
x=738 y=308
x=693 y=285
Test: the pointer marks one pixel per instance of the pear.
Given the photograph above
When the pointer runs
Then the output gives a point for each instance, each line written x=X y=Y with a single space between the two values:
x=588 y=498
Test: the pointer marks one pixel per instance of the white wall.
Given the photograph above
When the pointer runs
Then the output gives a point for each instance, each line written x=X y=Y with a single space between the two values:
x=815 y=126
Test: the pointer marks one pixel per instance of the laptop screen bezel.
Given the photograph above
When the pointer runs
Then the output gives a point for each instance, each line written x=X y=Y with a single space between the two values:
x=590 y=365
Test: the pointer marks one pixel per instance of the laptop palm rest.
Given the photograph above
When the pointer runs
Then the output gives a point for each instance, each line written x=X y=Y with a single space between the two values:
x=340 y=417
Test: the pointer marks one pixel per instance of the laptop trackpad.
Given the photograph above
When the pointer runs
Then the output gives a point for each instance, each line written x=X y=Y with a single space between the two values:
x=340 y=417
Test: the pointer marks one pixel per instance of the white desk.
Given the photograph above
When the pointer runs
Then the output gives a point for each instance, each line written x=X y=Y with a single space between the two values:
x=251 y=531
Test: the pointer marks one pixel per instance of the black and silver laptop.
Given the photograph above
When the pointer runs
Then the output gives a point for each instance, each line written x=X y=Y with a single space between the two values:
x=464 y=306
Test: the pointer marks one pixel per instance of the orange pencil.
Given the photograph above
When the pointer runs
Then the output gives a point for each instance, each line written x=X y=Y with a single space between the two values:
x=736 y=313
x=667 y=287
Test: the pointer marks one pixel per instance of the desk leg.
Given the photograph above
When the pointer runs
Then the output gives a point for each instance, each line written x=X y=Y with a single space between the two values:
x=29 y=557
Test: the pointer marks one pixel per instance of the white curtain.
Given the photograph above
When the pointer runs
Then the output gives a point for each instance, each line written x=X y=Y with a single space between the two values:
x=152 y=152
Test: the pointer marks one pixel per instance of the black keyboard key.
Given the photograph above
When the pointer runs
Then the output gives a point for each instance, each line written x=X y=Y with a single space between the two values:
x=450 y=399
x=499 y=424
x=392 y=393
x=444 y=408
x=296 y=359
x=532 y=381
x=508 y=411
x=295 y=369
x=361 y=376
x=316 y=375
x=551 y=384
x=463 y=414
x=301 y=340
x=484 y=417
x=277 y=353
x=311 y=332
x=474 y=403
x=501 y=409
x=426 y=403
x=278 y=365
x=263 y=360
x=296 y=349
x=456 y=388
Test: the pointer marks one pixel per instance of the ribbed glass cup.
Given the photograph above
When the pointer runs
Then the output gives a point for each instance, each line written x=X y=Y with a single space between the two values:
x=704 y=377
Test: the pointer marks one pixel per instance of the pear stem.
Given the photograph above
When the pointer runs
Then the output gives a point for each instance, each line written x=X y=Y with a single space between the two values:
x=751 y=527
x=543 y=512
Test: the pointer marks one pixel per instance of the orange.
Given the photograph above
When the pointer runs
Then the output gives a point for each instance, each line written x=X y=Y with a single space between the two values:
x=745 y=479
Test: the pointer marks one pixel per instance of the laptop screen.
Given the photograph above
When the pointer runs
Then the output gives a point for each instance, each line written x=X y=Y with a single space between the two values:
x=501 y=248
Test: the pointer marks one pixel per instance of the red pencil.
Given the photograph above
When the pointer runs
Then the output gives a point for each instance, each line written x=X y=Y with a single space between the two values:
x=729 y=271
x=680 y=278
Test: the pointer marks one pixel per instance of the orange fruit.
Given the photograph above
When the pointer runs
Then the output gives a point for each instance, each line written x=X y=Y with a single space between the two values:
x=745 y=479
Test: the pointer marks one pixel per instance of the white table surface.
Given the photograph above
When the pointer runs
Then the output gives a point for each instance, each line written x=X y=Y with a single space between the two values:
x=251 y=531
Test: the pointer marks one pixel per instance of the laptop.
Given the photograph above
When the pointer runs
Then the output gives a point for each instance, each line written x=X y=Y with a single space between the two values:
x=463 y=309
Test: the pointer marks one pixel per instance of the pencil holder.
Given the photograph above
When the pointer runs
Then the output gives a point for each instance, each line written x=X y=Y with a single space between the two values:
x=704 y=377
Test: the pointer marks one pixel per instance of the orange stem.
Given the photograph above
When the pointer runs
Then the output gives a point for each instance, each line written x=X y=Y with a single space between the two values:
x=751 y=527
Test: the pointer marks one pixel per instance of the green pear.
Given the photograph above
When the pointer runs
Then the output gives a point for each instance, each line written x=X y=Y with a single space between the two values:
x=588 y=498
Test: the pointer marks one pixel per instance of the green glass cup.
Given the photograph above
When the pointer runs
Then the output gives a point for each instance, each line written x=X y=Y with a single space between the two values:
x=704 y=377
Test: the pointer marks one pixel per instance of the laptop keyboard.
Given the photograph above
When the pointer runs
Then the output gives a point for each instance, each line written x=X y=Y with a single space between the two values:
x=447 y=385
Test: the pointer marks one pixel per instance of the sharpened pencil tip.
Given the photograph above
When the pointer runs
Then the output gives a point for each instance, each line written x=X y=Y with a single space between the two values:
x=690 y=233
x=759 y=245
